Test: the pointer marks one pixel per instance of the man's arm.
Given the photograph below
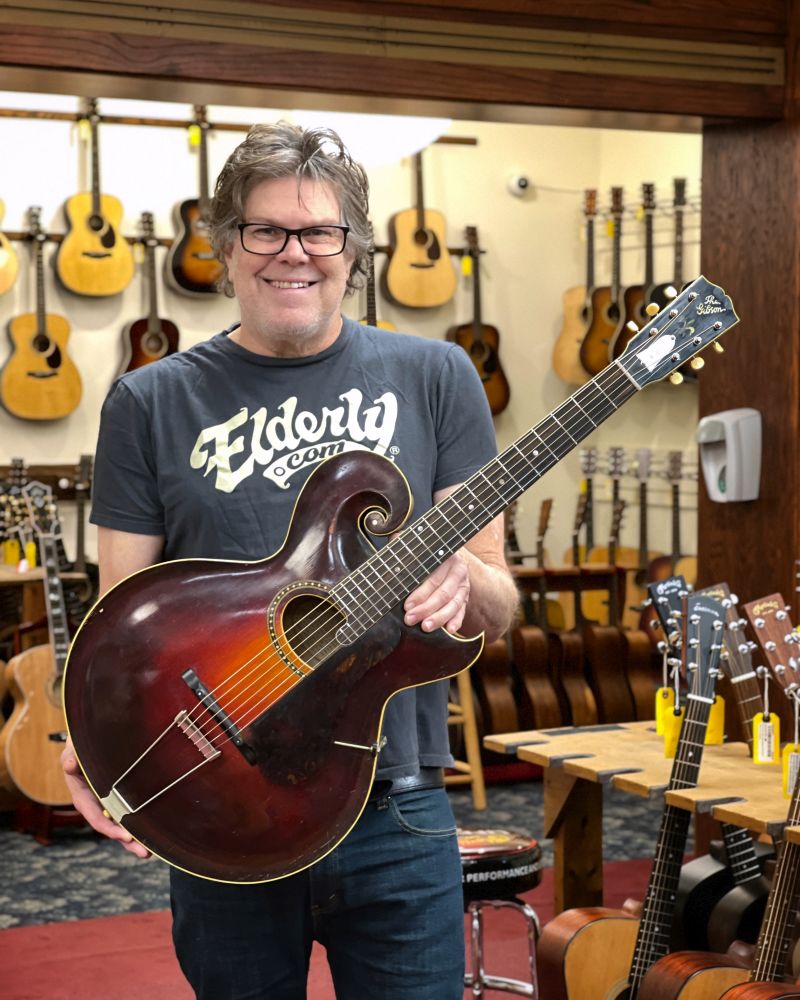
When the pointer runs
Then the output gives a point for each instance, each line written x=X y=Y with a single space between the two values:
x=472 y=591
x=120 y=554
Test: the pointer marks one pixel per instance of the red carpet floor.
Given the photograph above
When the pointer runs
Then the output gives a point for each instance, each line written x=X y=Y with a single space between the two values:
x=130 y=957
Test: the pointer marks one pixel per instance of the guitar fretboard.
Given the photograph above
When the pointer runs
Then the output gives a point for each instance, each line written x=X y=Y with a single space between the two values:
x=54 y=602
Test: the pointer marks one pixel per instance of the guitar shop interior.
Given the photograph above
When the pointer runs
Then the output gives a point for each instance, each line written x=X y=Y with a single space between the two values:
x=573 y=198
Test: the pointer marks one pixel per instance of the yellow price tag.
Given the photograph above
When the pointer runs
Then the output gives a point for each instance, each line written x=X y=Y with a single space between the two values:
x=138 y=253
x=766 y=739
x=672 y=730
x=640 y=213
x=610 y=227
x=790 y=757
x=466 y=265
x=11 y=552
x=194 y=136
x=665 y=702
x=84 y=129
x=715 y=730
x=30 y=554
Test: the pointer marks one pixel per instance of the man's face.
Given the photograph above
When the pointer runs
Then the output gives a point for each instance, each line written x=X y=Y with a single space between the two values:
x=290 y=302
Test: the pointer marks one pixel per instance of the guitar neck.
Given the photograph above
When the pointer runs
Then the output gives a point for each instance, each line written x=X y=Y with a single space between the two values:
x=589 y=253
x=41 y=310
x=678 y=263
x=589 y=518
x=477 y=314
x=152 y=286
x=420 y=200
x=741 y=854
x=616 y=279
x=643 y=539
x=95 y=167
x=648 y=250
x=676 y=524
x=411 y=556
x=203 y=199
x=54 y=602
x=372 y=308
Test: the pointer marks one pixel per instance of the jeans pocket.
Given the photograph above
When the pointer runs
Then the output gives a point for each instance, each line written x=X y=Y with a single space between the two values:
x=425 y=813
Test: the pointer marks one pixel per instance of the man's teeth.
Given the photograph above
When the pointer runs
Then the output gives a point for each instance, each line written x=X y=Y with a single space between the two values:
x=290 y=284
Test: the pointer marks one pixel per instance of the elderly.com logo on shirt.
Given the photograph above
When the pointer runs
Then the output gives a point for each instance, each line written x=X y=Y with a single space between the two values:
x=292 y=439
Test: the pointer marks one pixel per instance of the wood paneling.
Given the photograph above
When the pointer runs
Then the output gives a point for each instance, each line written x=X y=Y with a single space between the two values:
x=750 y=246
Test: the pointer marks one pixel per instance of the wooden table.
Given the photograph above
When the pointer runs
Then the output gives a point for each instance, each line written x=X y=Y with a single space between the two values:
x=630 y=756
x=33 y=602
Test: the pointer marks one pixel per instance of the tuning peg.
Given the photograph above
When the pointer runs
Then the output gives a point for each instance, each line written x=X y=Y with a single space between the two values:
x=630 y=325
x=676 y=378
x=718 y=347
x=697 y=363
x=651 y=309
x=671 y=292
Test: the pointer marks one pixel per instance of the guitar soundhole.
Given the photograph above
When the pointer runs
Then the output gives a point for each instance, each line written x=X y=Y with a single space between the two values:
x=155 y=345
x=309 y=624
x=613 y=312
x=96 y=223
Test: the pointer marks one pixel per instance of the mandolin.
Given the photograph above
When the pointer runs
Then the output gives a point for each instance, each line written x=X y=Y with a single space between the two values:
x=33 y=738
x=152 y=337
x=371 y=318
x=636 y=297
x=93 y=259
x=419 y=272
x=596 y=953
x=8 y=259
x=481 y=341
x=191 y=266
x=577 y=304
x=39 y=381
x=207 y=755
x=607 y=306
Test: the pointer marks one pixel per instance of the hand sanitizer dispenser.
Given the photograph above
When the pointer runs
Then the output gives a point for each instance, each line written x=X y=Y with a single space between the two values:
x=730 y=454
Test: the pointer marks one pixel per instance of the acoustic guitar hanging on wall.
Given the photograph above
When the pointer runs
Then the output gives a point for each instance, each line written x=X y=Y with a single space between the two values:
x=479 y=340
x=8 y=259
x=420 y=273
x=39 y=381
x=93 y=258
x=371 y=318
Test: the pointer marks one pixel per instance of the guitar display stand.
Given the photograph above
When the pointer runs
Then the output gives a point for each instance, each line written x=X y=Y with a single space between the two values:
x=470 y=771
x=39 y=820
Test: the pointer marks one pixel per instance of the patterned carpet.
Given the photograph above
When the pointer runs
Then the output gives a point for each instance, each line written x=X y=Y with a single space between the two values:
x=81 y=876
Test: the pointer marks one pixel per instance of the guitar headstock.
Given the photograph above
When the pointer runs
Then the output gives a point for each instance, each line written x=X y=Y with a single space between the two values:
x=674 y=470
x=590 y=202
x=41 y=508
x=703 y=633
x=667 y=597
x=649 y=197
x=697 y=317
x=90 y=111
x=35 y=231
x=616 y=202
x=642 y=464
x=737 y=656
x=201 y=116
x=544 y=518
x=679 y=192
x=473 y=247
x=83 y=482
x=588 y=458
x=148 y=229
x=778 y=639
x=616 y=462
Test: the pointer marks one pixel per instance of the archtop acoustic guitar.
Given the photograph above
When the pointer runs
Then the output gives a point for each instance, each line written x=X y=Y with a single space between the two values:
x=94 y=259
x=39 y=381
x=228 y=714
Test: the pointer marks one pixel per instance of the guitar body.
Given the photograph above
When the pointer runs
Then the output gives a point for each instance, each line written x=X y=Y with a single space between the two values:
x=691 y=975
x=382 y=324
x=93 y=258
x=633 y=302
x=586 y=954
x=737 y=915
x=491 y=677
x=9 y=265
x=686 y=567
x=30 y=761
x=567 y=348
x=311 y=731
x=640 y=673
x=483 y=352
x=537 y=698
x=145 y=341
x=605 y=650
x=567 y=665
x=191 y=267
x=595 y=351
x=39 y=381
x=420 y=272
x=762 y=991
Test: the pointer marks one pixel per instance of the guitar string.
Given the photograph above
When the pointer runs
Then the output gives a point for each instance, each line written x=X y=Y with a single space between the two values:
x=619 y=376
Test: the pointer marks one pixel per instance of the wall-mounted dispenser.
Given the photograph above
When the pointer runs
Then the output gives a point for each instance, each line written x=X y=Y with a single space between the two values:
x=730 y=454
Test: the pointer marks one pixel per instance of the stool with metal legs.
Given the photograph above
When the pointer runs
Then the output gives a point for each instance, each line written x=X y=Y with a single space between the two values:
x=496 y=867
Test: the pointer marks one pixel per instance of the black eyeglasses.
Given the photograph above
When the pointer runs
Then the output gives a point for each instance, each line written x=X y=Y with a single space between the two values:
x=316 y=241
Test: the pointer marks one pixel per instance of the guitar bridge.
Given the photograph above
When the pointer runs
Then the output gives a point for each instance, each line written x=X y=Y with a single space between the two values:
x=209 y=702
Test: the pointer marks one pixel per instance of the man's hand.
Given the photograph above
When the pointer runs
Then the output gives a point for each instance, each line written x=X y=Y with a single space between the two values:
x=441 y=601
x=87 y=805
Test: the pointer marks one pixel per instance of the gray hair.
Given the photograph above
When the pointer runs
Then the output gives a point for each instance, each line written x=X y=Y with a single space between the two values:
x=286 y=150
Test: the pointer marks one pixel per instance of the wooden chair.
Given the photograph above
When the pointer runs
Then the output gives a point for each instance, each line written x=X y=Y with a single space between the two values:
x=462 y=713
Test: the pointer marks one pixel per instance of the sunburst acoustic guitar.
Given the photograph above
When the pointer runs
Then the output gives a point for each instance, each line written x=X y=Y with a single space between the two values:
x=607 y=306
x=191 y=267
x=152 y=337
x=94 y=259
x=39 y=381
x=420 y=272
x=480 y=340
x=577 y=308
x=9 y=264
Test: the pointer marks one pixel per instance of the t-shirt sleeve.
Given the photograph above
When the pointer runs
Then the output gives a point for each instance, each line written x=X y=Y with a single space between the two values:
x=464 y=429
x=124 y=487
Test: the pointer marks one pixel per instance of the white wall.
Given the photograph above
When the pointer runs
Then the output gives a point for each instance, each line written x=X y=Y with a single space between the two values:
x=534 y=251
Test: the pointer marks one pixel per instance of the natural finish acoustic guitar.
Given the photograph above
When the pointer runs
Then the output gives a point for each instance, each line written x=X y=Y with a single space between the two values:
x=607 y=307
x=9 y=264
x=33 y=738
x=191 y=266
x=420 y=272
x=152 y=337
x=94 y=259
x=577 y=308
x=229 y=713
x=39 y=381
x=480 y=340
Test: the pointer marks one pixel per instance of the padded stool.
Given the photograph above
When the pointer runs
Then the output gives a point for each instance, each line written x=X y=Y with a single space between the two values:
x=496 y=866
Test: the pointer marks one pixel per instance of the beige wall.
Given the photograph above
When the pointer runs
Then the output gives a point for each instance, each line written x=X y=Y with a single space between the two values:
x=533 y=249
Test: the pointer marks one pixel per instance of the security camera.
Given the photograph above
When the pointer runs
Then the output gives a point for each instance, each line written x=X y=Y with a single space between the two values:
x=519 y=185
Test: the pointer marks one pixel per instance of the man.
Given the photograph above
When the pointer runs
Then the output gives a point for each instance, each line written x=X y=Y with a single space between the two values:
x=203 y=454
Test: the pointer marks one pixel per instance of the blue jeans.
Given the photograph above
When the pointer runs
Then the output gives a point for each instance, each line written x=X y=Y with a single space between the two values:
x=387 y=905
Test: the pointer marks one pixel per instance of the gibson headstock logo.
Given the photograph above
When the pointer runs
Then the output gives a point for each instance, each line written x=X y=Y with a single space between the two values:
x=764 y=607
x=710 y=304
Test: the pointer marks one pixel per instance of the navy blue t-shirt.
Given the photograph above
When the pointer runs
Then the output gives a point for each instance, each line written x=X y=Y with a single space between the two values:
x=210 y=447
